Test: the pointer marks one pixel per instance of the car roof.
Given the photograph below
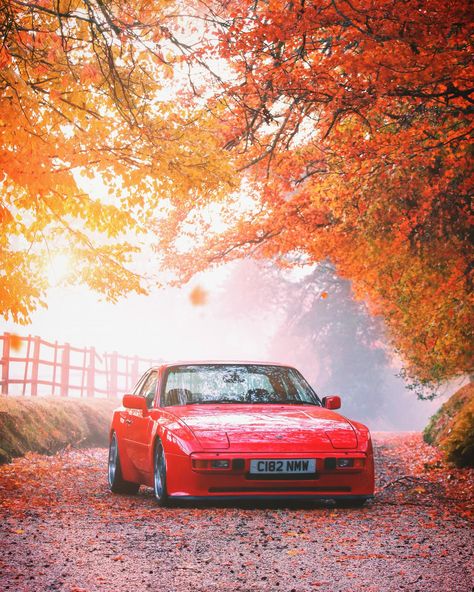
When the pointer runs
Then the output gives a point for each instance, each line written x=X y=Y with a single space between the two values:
x=220 y=363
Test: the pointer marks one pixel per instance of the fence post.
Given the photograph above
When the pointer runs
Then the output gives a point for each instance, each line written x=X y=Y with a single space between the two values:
x=5 y=363
x=113 y=383
x=35 y=366
x=91 y=373
x=65 y=370
x=29 y=339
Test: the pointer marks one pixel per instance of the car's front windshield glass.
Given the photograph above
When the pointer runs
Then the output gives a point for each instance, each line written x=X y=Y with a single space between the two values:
x=236 y=383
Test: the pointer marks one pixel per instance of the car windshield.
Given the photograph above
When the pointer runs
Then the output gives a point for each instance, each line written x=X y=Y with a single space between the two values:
x=236 y=383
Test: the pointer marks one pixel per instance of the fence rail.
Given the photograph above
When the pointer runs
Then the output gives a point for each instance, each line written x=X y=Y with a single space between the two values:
x=32 y=366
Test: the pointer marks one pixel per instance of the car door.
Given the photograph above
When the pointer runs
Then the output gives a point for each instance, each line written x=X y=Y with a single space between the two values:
x=140 y=426
x=127 y=418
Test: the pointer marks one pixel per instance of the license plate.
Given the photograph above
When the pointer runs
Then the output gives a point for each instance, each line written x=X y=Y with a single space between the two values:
x=278 y=465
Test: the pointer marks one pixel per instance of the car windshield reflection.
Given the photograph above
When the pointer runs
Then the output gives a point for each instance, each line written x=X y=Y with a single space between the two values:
x=236 y=384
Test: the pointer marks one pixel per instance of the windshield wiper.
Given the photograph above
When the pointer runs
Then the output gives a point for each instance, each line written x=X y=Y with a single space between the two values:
x=293 y=402
x=239 y=401
x=215 y=402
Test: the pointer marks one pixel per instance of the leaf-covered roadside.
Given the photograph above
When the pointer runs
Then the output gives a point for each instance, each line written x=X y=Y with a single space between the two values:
x=413 y=473
x=62 y=530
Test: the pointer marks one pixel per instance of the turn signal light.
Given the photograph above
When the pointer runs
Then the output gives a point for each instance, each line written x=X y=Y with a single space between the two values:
x=210 y=464
x=350 y=463
x=220 y=464
x=200 y=464
x=345 y=462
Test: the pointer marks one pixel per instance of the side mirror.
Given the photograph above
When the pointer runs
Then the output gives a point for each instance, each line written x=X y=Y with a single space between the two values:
x=134 y=402
x=333 y=402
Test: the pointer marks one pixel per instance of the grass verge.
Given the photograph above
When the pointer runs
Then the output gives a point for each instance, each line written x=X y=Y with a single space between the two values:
x=46 y=425
x=452 y=427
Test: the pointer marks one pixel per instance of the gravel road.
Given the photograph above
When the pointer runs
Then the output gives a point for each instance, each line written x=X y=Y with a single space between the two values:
x=61 y=530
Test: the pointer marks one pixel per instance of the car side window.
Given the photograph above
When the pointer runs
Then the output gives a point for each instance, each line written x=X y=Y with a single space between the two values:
x=148 y=389
x=138 y=387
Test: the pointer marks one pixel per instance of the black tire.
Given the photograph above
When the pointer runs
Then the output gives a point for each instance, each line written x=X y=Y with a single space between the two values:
x=351 y=503
x=116 y=482
x=159 y=475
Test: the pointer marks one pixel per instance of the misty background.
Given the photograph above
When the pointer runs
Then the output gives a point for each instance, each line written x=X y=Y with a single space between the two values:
x=252 y=311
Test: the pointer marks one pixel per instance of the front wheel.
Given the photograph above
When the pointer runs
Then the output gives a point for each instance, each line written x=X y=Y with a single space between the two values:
x=159 y=475
x=116 y=482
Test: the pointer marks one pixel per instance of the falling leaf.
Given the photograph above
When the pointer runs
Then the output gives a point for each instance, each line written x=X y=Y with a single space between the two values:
x=15 y=342
x=198 y=296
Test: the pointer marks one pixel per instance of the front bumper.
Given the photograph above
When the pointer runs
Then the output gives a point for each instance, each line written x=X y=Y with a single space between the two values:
x=337 y=483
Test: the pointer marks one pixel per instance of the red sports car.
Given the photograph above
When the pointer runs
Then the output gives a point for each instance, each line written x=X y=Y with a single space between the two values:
x=237 y=430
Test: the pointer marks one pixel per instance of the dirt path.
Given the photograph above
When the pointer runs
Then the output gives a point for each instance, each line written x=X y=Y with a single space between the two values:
x=61 y=529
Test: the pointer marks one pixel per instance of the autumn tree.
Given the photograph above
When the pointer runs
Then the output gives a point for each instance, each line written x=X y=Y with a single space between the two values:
x=351 y=123
x=345 y=342
x=318 y=326
x=87 y=90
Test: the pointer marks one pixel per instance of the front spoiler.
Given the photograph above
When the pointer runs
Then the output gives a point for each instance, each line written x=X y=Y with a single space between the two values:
x=268 y=497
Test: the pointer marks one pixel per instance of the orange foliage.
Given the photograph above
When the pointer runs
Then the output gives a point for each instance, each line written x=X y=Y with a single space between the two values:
x=351 y=122
x=83 y=92
x=348 y=122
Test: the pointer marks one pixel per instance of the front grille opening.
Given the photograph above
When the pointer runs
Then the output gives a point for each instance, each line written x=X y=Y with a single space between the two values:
x=238 y=464
x=281 y=476
x=330 y=464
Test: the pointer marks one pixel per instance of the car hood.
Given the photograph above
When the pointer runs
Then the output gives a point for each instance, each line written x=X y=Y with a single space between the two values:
x=267 y=427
